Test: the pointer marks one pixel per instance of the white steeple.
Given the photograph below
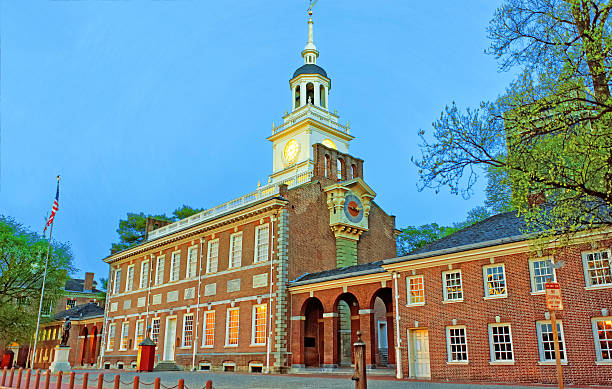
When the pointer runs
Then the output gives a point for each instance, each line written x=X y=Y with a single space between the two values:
x=310 y=52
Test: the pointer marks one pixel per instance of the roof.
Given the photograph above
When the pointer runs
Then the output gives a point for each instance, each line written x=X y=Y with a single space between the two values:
x=343 y=272
x=81 y=312
x=310 y=68
x=76 y=285
x=501 y=226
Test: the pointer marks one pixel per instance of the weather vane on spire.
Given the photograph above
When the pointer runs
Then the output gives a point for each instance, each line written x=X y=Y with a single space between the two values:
x=311 y=5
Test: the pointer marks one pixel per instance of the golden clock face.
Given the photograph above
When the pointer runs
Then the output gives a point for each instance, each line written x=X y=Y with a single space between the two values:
x=330 y=143
x=291 y=150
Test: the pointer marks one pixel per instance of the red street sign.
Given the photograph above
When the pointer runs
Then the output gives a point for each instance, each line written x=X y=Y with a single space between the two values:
x=553 y=296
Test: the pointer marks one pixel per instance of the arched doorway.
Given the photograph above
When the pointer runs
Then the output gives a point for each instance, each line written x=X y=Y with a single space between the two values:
x=83 y=358
x=382 y=336
x=313 y=332
x=93 y=349
x=347 y=309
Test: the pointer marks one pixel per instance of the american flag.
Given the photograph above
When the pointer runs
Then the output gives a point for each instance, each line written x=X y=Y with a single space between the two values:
x=53 y=209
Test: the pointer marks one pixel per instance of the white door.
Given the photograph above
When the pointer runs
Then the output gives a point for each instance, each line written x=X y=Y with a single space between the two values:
x=382 y=334
x=419 y=354
x=169 y=339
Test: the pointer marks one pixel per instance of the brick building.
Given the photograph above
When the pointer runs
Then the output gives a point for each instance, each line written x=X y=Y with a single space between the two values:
x=213 y=287
x=470 y=306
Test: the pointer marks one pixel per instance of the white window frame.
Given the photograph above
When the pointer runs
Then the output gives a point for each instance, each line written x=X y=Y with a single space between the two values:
x=598 y=351
x=449 y=354
x=409 y=290
x=532 y=274
x=138 y=324
x=184 y=338
x=125 y=333
x=117 y=281
x=486 y=281
x=227 y=328
x=112 y=333
x=159 y=275
x=209 y=265
x=155 y=334
x=253 y=329
x=235 y=261
x=204 y=328
x=129 y=279
x=144 y=274
x=587 y=278
x=445 y=287
x=192 y=263
x=256 y=256
x=541 y=343
x=494 y=360
x=175 y=267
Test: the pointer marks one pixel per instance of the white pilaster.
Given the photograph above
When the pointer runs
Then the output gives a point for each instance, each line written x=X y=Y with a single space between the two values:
x=317 y=94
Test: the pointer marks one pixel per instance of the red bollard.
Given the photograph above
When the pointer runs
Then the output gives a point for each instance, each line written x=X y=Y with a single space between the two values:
x=37 y=379
x=19 y=374
x=28 y=375
x=136 y=381
x=3 y=377
x=10 y=384
x=100 y=380
x=47 y=378
x=85 y=380
x=117 y=381
x=157 y=383
x=209 y=384
x=181 y=384
x=58 y=384
x=71 y=385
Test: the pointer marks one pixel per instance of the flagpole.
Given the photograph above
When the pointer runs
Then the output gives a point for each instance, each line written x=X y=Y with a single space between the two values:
x=42 y=290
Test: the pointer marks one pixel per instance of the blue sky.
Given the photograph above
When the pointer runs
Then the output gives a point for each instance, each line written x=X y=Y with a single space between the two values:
x=148 y=105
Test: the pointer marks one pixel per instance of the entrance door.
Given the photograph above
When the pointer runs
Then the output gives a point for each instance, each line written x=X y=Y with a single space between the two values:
x=169 y=339
x=344 y=333
x=383 y=346
x=419 y=354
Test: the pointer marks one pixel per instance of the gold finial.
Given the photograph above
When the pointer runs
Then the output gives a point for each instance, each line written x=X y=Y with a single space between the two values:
x=58 y=178
x=311 y=5
x=258 y=184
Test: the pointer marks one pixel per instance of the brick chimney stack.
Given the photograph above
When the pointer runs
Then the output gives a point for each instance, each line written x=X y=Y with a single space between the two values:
x=88 y=283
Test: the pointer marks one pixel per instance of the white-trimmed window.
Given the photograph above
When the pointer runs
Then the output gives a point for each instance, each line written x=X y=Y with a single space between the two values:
x=500 y=343
x=235 y=259
x=125 y=331
x=139 y=334
x=144 y=274
x=213 y=256
x=494 y=277
x=188 y=330
x=192 y=262
x=546 y=343
x=258 y=331
x=155 y=329
x=451 y=280
x=208 y=338
x=262 y=243
x=117 y=281
x=456 y=344
x=541 y=270
x=159 y=271
x=597 y=268
x=175 y=265
x=129 y=282
x=602 y=332
x=111 y=336
x=232 y=326
x=415 y=288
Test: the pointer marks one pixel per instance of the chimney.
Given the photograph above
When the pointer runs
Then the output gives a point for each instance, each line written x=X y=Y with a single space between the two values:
x=88 y=283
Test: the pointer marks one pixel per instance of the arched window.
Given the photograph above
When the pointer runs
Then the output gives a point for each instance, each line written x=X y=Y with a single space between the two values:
x=327 y=166
x=340 y=167
x=297 y=96
x=353 y=171
x=322 y=96
x=310 y=93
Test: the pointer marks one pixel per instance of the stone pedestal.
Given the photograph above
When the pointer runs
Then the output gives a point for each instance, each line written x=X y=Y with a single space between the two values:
x=60 y=362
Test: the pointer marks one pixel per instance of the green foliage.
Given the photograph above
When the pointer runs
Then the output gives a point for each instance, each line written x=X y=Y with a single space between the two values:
x=22 y=264
x=412 y=237
x=550 y=133
x=132 y=229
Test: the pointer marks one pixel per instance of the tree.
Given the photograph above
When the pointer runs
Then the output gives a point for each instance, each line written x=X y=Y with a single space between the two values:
x=22 y=263
x=132 y=229
x=550 y=133
x=412 y=237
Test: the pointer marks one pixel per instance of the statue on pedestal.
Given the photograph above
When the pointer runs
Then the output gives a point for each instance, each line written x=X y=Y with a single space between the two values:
x=66 y=332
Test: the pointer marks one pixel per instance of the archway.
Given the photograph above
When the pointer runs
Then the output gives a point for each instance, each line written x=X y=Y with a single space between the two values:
x=382 y=337
x=93 y=349
x=312 y=344
x=310 y=93
x=347 y=309
x=83 y=358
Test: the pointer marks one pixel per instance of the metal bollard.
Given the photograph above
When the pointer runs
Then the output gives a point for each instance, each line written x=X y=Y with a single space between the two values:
x=157 y=383
x=10 y=384
x=136 y=382
x=37 y=379
x=47 y=378
x=19 y=374
x=361 y=382
x=3 y=377
x=181 y=384
x=85 y=380
x=209 y=384
x=100 y=380
x=116 y=382
x=28 y=376
x=71 y=385
x=58 y=384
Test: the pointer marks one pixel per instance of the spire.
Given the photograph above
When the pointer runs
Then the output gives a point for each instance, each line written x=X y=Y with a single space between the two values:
x=310 y=52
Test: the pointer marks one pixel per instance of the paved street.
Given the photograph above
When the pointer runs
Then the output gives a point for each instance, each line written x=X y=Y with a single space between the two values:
x=197 y=380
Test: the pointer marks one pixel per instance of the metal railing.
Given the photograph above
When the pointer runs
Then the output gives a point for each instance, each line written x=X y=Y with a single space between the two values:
x=313 y=112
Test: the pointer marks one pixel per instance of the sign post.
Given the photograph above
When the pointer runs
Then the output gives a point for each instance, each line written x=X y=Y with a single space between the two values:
x=553 y=304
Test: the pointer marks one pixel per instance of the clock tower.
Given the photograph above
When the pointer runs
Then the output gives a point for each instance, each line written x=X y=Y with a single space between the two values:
x=309 y=122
